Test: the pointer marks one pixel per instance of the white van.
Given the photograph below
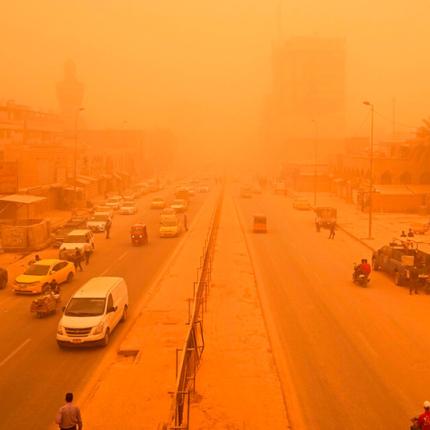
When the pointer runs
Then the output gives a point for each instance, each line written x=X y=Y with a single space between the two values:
x=93 y=312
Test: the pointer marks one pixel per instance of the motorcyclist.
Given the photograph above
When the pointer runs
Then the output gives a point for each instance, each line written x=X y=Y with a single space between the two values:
x=363 y=269
x=422 y=422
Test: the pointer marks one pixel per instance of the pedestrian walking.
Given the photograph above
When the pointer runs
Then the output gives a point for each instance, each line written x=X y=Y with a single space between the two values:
x=403 y=234
x=69 y=415
x=78 y=259
x=3 y=277
x=87 y=254
x=108 y=227
x=411 y=233
x=332 y=230
x=413 y=279
x=185 y=222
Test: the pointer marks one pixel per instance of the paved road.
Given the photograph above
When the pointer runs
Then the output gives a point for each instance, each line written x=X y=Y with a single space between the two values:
x=34 y=372
x=358 y=357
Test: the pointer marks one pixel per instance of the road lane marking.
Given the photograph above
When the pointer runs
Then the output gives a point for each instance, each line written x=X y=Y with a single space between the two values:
x=121 y=257
x=14 y=352
x=366 y=344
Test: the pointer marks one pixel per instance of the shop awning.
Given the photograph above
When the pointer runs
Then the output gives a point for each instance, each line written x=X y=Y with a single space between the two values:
x=87 y=178
x=24 y=199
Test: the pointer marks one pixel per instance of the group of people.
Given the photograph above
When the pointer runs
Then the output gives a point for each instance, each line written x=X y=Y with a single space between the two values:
x=409 y=234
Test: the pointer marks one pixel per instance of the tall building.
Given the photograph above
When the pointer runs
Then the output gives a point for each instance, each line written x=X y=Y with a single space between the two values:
x=308 y=91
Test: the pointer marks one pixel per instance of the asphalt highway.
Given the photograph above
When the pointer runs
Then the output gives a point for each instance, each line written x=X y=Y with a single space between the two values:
x=34 y=372
x=357 y=357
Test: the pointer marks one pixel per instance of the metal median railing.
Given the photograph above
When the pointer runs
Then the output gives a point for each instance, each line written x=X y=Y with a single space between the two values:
x=188 y=358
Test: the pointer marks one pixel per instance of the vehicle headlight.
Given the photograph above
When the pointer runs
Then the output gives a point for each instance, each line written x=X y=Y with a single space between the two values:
x=60 y=330
x=98 y=328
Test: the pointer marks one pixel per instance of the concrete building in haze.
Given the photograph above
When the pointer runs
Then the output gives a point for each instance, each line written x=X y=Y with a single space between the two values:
x=308 y=95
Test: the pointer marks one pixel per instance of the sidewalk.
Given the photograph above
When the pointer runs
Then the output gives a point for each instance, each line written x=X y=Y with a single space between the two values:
x=237 y=384
x=133 y=391
x=385 y=226
x=16 y=262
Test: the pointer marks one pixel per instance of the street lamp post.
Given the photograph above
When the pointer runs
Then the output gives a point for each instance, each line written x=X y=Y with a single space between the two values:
x=75 y=157
x=372 y=111
x=315 y=161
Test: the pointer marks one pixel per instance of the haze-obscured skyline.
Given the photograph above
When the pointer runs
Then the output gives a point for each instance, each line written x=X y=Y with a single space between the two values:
x=204 y=68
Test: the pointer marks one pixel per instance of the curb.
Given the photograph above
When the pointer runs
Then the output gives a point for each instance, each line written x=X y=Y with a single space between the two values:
x=351 y=235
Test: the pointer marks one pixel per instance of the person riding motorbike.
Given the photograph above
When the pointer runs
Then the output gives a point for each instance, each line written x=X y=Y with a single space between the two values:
x=422 y=422
x=362 y=269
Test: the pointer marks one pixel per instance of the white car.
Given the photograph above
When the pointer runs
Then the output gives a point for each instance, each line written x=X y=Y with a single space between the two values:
x=93 y=312
x=158 y=203
x=203 y=189
x=179 y=205
x=82 y=239
x=114 y=202
x=128 y=209
x=98 y=221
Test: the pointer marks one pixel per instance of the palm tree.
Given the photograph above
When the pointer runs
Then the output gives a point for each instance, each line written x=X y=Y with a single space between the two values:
x=423 y=132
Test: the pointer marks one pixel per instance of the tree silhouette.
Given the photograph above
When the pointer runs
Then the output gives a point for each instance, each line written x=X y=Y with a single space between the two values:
x=423 y=132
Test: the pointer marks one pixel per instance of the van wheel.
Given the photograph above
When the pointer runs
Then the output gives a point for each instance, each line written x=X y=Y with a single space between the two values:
x=69 y=277
x=106 y=338
x=46 y=288
x=124 y=314
x=397 y=279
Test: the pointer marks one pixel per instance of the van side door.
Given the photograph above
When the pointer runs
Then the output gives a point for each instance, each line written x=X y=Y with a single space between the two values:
x=111 y=316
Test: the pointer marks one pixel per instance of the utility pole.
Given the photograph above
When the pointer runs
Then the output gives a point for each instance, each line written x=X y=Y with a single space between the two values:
x=75 y=157
x=372 y=111
x=315 y=161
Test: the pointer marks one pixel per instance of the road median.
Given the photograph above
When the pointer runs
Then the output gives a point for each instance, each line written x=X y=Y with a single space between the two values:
x=237 y=385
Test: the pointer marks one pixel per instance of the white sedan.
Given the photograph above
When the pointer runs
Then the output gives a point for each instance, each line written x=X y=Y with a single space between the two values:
x=128 y=209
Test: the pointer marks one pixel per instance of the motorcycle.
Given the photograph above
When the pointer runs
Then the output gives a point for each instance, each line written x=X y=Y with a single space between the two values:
x=358 y=277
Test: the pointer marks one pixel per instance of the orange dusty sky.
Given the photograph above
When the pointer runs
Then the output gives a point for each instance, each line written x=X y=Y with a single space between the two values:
x=203 y=67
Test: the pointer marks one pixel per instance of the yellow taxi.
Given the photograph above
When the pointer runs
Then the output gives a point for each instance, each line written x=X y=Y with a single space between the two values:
x=38 y=277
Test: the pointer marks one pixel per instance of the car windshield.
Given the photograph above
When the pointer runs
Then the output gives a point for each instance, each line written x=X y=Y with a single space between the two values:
x=260 y=219
x=75 y=239
x=178 y=202
x=37 y=270
x=113 y=200
x=85 y=307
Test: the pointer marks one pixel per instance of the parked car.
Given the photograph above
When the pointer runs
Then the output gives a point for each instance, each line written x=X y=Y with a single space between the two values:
x=128 y=209
x=39 y=276
x=114 y=202
x=395 y=259
x=104 y=208
x=82 y=239
x=97 y=223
